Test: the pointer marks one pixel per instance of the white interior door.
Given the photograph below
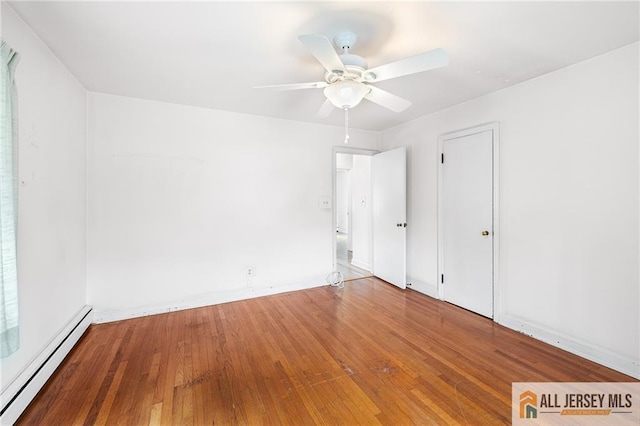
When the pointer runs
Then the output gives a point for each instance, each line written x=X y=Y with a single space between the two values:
x=467 y=221
x=389 y=183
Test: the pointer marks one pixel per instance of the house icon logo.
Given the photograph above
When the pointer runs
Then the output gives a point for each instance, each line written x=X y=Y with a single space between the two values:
x=528 y=405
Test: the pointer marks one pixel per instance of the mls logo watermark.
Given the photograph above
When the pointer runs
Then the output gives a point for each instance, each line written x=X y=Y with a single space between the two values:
x=556 y=403
x=528 y=405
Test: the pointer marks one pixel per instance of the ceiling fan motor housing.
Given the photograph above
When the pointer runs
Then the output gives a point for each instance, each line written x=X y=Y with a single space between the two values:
x=353 y=60
x=354 y=64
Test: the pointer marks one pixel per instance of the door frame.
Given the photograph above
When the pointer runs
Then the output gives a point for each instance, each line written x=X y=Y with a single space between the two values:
x=334 y=178
x=494 y=127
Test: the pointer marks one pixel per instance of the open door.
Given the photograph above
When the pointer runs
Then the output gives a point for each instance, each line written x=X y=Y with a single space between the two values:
x=389 y=181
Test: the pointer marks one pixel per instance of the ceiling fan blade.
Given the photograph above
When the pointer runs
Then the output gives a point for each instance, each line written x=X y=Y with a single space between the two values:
x=325 y=109
x=295 y=86
x=321 y=48
x=387 y=100
x=422 y=62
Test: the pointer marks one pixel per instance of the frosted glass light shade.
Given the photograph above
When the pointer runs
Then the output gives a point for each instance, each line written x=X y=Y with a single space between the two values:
x=346 y=93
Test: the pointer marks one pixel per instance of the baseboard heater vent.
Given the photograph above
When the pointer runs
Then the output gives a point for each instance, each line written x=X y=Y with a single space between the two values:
x=19 y=394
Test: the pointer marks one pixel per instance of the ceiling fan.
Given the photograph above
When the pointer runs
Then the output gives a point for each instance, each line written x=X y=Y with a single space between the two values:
x=347 y=79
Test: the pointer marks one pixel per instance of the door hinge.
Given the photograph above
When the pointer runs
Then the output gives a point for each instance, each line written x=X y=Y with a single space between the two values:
x=442 y=278
x=442 y=158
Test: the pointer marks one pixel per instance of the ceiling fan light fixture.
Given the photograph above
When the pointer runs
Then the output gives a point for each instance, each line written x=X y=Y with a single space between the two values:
x=346 y=93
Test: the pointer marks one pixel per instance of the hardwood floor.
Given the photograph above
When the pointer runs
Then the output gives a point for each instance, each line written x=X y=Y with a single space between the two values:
x=366 y=354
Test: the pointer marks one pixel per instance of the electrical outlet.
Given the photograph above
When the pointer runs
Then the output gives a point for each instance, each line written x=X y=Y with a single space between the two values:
x=251 y=273
x=324 y=202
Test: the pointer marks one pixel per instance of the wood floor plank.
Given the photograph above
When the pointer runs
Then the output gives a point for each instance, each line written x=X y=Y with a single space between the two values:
x=105 y=408
x=366 y=354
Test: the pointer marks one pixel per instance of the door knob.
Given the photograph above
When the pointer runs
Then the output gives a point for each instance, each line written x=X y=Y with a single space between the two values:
x=485 y=233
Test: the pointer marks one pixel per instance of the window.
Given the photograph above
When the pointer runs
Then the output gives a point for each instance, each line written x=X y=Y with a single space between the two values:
x=9 y=337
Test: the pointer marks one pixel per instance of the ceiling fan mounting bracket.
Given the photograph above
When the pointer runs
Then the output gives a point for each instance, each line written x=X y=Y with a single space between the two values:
x=345 y=40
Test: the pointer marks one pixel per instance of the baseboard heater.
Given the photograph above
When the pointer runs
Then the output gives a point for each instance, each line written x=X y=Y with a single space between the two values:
x=19 y=394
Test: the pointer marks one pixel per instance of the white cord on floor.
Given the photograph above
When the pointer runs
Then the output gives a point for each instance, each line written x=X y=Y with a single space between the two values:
x=335 y=279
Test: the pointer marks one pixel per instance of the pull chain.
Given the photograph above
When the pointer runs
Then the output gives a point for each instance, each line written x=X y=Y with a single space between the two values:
x=346 y=125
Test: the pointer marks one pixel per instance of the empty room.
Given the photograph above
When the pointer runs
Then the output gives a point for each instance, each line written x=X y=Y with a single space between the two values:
x=352 y=212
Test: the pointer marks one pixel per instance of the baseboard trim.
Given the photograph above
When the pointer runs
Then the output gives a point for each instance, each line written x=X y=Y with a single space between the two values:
x=593 y=353
x=19 y=394
x=430 y=290
x=214 y=298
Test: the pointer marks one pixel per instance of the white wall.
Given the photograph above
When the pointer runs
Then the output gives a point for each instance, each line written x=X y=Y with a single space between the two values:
x=568 y=204
x=52 y=194
x=182 y=200
x=361 y=212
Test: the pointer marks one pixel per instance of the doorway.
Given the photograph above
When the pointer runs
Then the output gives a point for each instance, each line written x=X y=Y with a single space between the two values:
x=372 y=209
x=468 y=218
x=352 y=214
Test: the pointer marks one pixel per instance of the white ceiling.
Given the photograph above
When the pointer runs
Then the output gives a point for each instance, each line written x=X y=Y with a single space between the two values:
x=212 y=54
